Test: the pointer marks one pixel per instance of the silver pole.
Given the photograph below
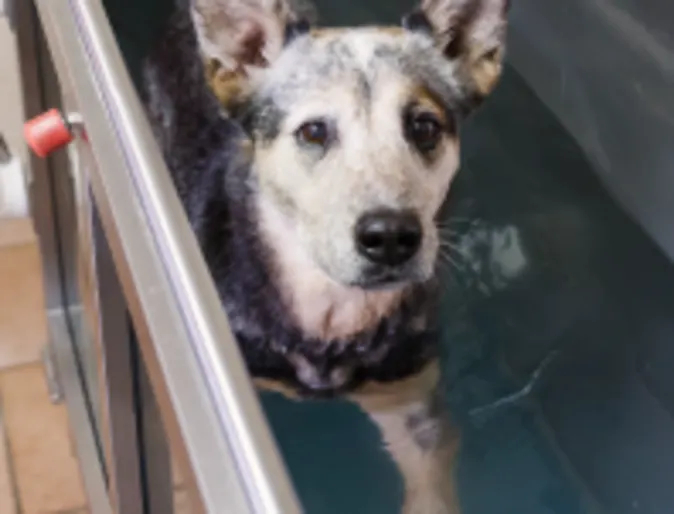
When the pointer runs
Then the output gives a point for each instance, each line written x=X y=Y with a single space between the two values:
x=196 y=369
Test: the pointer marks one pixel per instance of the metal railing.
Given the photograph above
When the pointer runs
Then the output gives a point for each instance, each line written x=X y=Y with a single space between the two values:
x=136 y=254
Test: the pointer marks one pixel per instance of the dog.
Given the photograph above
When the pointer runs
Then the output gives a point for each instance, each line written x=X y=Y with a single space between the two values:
x=313 y=164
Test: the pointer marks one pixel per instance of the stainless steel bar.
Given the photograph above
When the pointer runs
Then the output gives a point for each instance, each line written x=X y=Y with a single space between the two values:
x=195 y=366
x=156 y=453
x=137 y=456
x=108 y=319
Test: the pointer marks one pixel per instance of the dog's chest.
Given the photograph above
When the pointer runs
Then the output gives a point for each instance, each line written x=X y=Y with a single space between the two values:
x=396 y=347
x=311 y=368
x=331 y=312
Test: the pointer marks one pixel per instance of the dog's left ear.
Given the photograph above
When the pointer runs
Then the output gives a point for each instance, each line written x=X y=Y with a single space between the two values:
x=471 y=32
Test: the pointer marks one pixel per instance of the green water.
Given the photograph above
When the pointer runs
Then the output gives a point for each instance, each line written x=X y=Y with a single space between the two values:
x=507 y=464
x=545 y=307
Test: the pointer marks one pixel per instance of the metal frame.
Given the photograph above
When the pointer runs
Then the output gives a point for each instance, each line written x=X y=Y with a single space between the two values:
x=54 y=216
x=198 y=378
x=76 y=402
x=107 y=320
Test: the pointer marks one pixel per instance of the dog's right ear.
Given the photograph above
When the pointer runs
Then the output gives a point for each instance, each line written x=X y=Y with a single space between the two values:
x=237 y=38
x=245 y=33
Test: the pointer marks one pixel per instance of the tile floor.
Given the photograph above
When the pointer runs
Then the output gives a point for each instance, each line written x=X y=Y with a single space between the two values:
x=39 y=472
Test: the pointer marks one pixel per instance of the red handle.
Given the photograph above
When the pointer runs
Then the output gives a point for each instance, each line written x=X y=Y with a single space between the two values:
x=47 y=132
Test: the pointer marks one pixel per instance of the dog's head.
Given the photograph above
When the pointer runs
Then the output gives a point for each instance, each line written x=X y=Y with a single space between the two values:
x=354 y=131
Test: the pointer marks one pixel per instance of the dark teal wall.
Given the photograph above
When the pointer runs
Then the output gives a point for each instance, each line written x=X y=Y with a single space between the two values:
x=606 y=69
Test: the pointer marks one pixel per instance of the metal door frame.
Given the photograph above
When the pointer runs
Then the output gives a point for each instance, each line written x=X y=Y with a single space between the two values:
x=114 y=239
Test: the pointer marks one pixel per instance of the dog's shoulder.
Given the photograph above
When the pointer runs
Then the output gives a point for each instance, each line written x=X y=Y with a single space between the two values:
x=172 y=75
x=198 y=142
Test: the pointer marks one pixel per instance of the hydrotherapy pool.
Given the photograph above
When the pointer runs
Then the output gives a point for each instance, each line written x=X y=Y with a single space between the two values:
x=559 y=327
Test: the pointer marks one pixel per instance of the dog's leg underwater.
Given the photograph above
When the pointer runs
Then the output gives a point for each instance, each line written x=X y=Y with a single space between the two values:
x=419 y=436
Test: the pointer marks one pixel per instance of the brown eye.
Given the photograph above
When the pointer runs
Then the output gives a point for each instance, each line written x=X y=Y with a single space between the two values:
x=424 y=130
x=313 y=133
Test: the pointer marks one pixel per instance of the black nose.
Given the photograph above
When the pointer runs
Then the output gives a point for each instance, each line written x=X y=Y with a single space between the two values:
x=388 y=236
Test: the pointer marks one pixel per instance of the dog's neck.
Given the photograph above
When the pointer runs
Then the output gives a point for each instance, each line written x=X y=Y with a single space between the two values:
x=321 y=307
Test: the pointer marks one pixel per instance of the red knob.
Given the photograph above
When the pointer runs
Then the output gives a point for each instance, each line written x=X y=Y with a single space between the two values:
x=47 y=132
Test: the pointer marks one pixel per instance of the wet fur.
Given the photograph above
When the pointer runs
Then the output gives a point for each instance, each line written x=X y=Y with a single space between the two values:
x=302 y=333
x=380 y=340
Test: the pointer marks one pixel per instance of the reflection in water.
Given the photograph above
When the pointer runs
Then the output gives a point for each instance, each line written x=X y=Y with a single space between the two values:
x=494 y=254
x=520 y=395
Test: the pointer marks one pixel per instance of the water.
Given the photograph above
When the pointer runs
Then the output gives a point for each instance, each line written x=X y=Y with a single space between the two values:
x=507 y=464
x=544 y=304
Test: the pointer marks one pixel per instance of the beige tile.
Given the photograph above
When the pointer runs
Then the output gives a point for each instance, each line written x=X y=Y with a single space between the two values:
x=181 y=502
x=14 y=232
x=47 y=473
x=23 y=327
x=7 y=499
x=177 y=472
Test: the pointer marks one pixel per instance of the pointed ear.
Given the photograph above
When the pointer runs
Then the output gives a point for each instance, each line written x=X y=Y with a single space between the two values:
x=239 y=37
x=240 y=34
x=471 y=32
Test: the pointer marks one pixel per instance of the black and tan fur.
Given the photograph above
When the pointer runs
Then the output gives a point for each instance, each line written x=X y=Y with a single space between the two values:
x=227 y=88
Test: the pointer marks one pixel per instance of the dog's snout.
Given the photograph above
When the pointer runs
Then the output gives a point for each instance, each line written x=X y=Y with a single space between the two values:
x=389 y=237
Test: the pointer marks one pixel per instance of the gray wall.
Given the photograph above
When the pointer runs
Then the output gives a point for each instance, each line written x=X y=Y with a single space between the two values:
x=606 y=69
x=12 y=231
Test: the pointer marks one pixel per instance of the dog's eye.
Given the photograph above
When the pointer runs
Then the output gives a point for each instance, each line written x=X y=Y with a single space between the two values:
x=424 y=130
x=313 y=133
